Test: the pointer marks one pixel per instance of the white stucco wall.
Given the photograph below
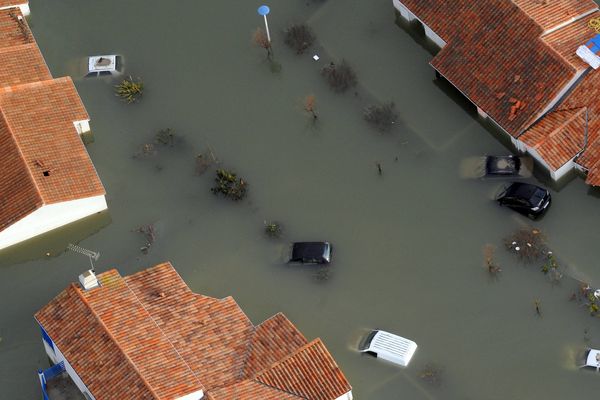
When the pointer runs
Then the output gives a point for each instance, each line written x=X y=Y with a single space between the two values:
x=192 y=396
x=82 y=126
x=560 y=172
x=57 y=356
x=347 y=396
x=409 y=16
x=50 y=217
x=24 y=8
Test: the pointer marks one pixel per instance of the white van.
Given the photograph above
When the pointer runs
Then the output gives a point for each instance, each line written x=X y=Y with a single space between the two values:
x=389 y=347
x=104 y=65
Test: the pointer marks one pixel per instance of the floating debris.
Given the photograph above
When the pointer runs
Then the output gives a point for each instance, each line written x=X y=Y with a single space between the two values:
x=528 y=244
x=149 y=233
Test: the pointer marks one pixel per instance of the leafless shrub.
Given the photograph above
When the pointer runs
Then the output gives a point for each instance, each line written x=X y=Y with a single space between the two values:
x=309 y=106
x=340 y=77
x=149 y=233
x=299 y=37
x=488 y=258
x=382 y=117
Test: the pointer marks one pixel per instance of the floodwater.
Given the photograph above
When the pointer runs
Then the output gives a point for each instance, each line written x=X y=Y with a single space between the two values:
x=408 y=244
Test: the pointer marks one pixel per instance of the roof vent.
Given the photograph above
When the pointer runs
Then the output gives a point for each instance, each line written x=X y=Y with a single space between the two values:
x=589 y=52
x=88 y=280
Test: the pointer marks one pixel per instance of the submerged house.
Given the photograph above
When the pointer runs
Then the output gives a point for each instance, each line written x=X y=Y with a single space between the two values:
x=148 y=336
x=47 y=179
x=517 y=61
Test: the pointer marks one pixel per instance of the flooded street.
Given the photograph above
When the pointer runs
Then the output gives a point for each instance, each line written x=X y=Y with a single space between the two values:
x=408 y=244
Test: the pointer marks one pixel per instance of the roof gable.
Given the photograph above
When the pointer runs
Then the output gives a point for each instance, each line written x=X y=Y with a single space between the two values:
x=551 y=13
x=310 y=373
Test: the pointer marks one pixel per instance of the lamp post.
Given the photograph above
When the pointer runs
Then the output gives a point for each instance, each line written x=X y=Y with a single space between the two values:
x=264 y=10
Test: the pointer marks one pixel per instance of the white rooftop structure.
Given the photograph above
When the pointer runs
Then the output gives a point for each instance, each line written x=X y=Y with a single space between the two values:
x=389 y=347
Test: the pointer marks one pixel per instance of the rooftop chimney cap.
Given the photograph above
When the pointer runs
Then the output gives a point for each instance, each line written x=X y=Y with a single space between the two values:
x=88 y=280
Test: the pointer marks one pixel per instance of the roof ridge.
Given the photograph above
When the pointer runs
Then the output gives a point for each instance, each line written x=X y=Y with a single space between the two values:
x=299 y=350
x=559 y=128
x=103 y=325
x=158 y=327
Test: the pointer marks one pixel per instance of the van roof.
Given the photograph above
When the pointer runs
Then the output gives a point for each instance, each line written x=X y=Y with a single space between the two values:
x=392 y=347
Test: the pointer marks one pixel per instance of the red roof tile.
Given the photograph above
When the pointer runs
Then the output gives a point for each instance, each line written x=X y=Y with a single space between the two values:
x=14 y=31
x=213 y=338
x=310 y=373
x=567 y=39
x=12 y=3
x=42 y=157
x=559 y=136
x=551 y=13
x=22 y=64
x=39 y=118
x=494 y=55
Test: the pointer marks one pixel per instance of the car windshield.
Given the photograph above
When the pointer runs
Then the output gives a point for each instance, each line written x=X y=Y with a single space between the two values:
x=364 y=345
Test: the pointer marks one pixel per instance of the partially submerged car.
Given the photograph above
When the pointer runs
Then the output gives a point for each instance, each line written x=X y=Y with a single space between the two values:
x=388 y=346
x=525 y=198
x=104 y=65
x=509 y=166
x=591 y=359
x=311 y=252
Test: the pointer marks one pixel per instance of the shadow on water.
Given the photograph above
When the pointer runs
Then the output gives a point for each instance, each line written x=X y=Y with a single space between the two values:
x=53 y=245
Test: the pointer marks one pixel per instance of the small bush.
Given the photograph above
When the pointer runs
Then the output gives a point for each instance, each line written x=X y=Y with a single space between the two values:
x=340 y=77
x=273 y=229
x=382 y=117
x=165 y=137
x=130 y=89
x=432 y=374
x=299 y=38
x=229 y=185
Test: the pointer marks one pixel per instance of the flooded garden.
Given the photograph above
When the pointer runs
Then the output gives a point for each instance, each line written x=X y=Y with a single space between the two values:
x=233 y=149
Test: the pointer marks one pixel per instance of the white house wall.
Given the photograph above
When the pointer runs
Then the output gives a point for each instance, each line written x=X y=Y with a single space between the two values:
x=560 y=172
x=192 y=396
x=50 y=217
x=57 y=356
x=409 y=16
x=24 y=8
x=347 y=396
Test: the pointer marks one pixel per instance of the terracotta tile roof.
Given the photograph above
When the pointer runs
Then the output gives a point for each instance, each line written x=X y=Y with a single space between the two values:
x=14 y=31
x=213 y=338
x=587 y=94
x=566 y=40
x=22 y=64
x=12 y=3
x=274 y=339
x=551 y=13
x=18 y=194
x=310 y=373
x=494 y=55
x=211 y=335
x=39 y=118
x=135 y=337
x=559 y=136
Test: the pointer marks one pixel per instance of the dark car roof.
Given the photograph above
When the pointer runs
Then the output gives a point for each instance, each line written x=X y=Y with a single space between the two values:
x=523 y=190
x=503 y=164
x=304 y=250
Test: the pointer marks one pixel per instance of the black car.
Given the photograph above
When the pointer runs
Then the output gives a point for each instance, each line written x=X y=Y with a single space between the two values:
x=526 y=198
x=311 y=252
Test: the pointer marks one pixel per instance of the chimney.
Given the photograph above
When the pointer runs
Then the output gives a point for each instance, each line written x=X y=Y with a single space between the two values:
x=88 y=280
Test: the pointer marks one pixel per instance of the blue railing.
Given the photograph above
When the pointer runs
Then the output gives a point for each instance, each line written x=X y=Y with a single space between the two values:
x=48 y=374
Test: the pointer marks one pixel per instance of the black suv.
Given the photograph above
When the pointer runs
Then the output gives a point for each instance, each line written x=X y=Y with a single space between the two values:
x=525 y=198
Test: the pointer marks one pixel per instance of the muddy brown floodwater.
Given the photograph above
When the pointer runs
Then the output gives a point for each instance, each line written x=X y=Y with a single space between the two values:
x=407 y=243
